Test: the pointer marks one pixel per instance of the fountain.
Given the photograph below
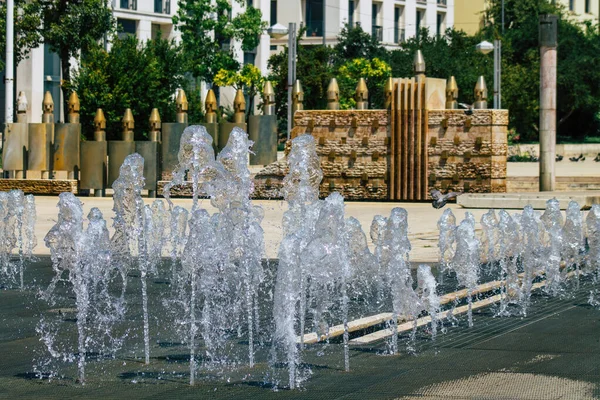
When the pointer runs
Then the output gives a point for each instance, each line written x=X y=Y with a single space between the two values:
x=327 y=284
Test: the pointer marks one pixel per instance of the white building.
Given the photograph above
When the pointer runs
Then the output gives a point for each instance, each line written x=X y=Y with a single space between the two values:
x=41 y=71
x=391 y=21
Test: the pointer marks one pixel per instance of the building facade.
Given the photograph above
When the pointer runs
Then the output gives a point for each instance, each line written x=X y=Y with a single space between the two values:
x=391 y=21
x=582 y=10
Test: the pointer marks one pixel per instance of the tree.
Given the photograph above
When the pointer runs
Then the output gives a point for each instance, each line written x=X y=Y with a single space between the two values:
x=374 y=71
x=135 y=75
x=206 y=33
x=74 y=27
x=249 y=79
x=353 y=43
x=578 y=92
x=27 y=29
x=313 y=68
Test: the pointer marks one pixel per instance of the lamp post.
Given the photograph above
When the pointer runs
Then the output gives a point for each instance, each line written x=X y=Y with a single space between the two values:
x=278 y=31
x=9 y=69
x=486 y=47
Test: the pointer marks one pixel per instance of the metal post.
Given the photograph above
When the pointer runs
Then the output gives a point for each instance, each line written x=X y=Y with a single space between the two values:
x=497 y=73
x=9 y=79
x=548 y=61
x=291 y=72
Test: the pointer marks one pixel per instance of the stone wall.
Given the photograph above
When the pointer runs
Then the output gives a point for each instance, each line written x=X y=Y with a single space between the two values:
x=353 y=146
x=467 y=152
x=40 y=186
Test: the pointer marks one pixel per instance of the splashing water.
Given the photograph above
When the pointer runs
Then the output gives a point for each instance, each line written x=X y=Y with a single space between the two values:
x=592 y=225
x=195 y=154
x=509 y=250
x=489 y=238
x=427 y=289
x=553 y=242
x=573 y=238
x=530 y=257
x=83 y=257
x=395 y=267
x=130 y=240
x=466 y=259
x=301 y=191
x=447 y=228
x=179 y=220
x=329 y=268
x=17 y=224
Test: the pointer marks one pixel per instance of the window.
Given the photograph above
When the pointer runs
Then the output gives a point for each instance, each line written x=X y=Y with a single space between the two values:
x=249 y=3
x=160 y=8
x=351 y=13
x=126 y=27
x=129 y=4
x=273 y=12
x=439 y=27
x=314 y=17
x=249 y=57
x=418 y=22
x=571 y=5
x=398 y=25
x=376 y=29
x=588 y=7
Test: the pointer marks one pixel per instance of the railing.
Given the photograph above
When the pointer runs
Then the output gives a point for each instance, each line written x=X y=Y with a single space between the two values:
x=377 y=32
x=442 y=2
x=422 y=1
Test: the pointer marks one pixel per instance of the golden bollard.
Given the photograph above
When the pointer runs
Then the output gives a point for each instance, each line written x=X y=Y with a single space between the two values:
x=74 y=108
x=128 y=125
x=362 y=95
x=268 y=99
x=239 y=107
x=210 y=107
x=451 y=94
x=182 y=107
x=388 y=92
x=155 y=125
x=481 y=94
x=333 y=95
x=48 y=108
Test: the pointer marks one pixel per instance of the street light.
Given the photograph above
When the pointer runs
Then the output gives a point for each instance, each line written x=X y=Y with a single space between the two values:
x=278 y=31
x=486 y=47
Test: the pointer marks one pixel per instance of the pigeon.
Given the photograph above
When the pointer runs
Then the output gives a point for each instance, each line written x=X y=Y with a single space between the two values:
x=576 y=159
x=439 y=199
x=559 y=157
x=469 y=108
x=597 y=158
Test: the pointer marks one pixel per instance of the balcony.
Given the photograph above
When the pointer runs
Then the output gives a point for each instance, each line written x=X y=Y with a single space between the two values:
x=442 y=3
x=377 y=32
x=422 y=2
x=128 y=4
